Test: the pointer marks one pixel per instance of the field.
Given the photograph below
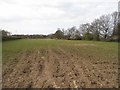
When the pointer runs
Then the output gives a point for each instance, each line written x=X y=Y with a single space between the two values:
x=42 y=63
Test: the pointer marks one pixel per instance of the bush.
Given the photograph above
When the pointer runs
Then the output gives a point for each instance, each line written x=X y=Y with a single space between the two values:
x=87 y=36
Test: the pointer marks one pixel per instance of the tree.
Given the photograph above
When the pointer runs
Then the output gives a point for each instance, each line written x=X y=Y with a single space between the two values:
x=77 y=35
x=106 y=26
x=59 y=34
x=84 y=28
x=115 y=25
x=72 y=31
x=86 y=31
x=5 y=33
x=95 y=29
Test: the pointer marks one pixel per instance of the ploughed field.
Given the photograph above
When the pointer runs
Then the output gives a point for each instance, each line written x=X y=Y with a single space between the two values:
x=36 y=63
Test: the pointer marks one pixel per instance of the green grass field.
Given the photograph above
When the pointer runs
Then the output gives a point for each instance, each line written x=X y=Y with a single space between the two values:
x=103 y=50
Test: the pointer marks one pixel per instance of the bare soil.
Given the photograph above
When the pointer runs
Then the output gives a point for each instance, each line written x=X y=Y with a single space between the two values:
x=56 y=68
x=0 y=76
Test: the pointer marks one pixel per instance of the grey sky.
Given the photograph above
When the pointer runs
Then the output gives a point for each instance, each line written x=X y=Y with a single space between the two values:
x=45 y=16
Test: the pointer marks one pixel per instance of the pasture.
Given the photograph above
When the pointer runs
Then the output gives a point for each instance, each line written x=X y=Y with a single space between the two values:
x=41 y=63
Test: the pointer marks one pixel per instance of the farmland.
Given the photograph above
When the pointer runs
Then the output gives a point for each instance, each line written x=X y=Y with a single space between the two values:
x=42 y=63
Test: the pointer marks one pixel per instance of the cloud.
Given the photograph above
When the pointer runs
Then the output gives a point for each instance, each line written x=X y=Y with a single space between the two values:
x=45 y=16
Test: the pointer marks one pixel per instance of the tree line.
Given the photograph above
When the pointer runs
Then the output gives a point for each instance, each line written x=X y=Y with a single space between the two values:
x=104 y=28
x=5 y=35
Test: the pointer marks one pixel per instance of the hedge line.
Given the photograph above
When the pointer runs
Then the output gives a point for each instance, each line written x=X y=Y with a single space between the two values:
x=7 y=38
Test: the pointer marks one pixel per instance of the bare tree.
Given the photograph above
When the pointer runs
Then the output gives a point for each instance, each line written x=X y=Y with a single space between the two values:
x=115 y=25
x=71 y=32
x=5 y=33
x=106 y=26
x=84 y=28
x=95 y=29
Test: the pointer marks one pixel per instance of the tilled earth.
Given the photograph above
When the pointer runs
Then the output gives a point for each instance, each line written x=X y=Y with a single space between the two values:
x=56 y=68
x=0 y=76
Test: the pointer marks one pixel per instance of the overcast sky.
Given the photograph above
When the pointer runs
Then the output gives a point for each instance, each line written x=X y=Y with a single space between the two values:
x=45 y=16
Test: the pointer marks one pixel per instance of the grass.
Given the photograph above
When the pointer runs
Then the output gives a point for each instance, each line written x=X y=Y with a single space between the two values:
x=0 y=52
x=96 y=49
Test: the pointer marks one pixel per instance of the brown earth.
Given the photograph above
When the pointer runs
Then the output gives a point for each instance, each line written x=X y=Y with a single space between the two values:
x=0 y=76
x=56 y=68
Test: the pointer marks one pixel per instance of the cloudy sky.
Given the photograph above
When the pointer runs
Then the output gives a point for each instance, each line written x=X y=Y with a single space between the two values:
x=45 y=16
